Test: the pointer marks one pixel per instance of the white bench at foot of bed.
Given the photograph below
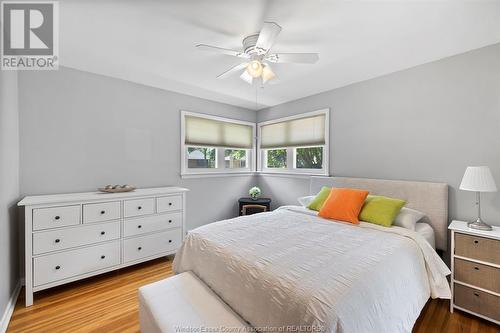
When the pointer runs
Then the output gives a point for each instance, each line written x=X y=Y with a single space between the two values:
x=184 y=304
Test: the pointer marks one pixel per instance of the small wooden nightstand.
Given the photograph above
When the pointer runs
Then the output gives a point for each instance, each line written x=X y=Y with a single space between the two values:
x=249 y=206
x=475 y=267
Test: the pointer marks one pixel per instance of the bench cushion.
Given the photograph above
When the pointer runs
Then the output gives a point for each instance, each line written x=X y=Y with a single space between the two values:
x=183 y=303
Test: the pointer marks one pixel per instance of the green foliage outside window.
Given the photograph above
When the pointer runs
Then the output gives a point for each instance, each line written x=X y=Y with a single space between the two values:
x=276 y=158
x=309 y=158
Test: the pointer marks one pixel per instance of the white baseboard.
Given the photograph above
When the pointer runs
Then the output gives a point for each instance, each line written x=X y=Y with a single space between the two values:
x=4 y=323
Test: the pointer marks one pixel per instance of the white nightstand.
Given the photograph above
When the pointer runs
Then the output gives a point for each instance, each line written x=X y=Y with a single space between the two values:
x=475 y=267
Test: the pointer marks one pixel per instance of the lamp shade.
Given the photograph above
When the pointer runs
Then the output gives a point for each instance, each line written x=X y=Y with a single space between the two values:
x=478 y=179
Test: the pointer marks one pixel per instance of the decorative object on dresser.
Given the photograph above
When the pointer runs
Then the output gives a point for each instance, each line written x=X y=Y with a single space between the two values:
x=117 y=188
x=475 y=265
x=478 y=179
x=249 y=206
x=73 y=236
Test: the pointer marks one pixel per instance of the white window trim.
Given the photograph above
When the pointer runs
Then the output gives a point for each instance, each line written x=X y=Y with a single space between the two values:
x=202 y=172
x=291 y=170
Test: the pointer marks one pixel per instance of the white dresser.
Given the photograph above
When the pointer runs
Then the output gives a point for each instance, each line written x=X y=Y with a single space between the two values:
x=73 y=236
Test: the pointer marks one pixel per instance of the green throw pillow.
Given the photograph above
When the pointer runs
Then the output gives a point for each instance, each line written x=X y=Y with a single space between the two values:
x=319 y=199
x=381 y=210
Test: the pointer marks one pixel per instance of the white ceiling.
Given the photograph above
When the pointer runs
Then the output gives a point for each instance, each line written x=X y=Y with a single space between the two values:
x=152 y=42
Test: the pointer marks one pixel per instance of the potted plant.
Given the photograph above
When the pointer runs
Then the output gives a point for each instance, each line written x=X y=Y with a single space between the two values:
x=255 y=193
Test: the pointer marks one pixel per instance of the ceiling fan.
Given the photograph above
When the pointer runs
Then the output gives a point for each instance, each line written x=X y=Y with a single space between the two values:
x=256 y=49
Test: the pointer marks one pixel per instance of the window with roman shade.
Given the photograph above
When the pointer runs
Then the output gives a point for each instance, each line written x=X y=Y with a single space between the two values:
x=213 y=144
x=208 y=132
x=308 y=131
x=297 y=144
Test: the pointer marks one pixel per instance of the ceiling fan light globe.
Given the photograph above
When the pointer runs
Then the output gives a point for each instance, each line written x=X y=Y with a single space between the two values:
x=254 y=68
x=267 y=74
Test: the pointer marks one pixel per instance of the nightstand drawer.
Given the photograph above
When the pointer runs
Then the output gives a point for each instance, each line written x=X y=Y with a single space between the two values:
x=482 y=276
x=477 y=301
x=478 y=248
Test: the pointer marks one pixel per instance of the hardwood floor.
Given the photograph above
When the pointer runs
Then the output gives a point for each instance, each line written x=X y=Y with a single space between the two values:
x=108 y=303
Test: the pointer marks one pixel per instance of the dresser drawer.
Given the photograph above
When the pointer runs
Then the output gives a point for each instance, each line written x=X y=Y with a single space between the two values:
x=55 y=217
x=478 y=248
x=168 y=204
x=481 y=276
x=138 y=226
x=99 y=212
x=54 y=267
x=146 y=246
x=138 y=207
x=61 y=239
x=477 y=301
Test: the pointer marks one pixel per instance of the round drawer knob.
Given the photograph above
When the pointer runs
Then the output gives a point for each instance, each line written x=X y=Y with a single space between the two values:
x=139 y=248
x=103 y=232
x=58 y=267
x=139 y=226
x=476 y=268
x=57 y=217
x=103 y=212
x=170 y=241
x=102 y=257
x=170 y=204
x=57 y=240
x=169 y=221
x=140 y=207
x=476 y=242
x=476 y=294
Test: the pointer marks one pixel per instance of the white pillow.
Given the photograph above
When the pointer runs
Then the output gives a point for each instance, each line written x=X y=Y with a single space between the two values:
x=305 y=201
x=407 y=218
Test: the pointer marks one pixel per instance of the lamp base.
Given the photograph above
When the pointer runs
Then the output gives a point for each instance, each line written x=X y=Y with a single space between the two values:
x=479 y=225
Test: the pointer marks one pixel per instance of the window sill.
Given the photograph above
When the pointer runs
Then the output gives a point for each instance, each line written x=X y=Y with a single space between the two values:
x=304 y=175
x=285 y=174
x=216 y=174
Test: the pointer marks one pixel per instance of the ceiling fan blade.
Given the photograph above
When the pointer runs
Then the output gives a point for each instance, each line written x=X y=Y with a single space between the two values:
x=246 y=77
x=221 y=50
x=298 y=58
x=232 y=70
x=267 y=36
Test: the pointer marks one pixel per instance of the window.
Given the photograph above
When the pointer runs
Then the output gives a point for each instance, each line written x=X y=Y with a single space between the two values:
x=297 y=144
x=276 y=158
x=309 y=158
x=212 y=144
x=235 y=158
x=199 y=157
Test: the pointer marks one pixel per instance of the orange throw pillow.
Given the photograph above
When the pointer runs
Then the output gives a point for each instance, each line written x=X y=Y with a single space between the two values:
x=343 y=204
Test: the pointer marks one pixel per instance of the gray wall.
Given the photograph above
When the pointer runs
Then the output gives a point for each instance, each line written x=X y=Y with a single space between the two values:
x=9 y=185
x=426 y=123
x=80 y=131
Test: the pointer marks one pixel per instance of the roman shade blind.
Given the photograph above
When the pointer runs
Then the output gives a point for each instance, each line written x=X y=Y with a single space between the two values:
x=307 y=131
x=209 y=132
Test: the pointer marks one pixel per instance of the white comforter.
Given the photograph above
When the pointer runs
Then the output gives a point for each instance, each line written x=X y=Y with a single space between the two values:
x=291 y=270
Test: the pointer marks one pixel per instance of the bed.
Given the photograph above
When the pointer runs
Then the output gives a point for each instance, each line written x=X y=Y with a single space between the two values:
x=289 y=270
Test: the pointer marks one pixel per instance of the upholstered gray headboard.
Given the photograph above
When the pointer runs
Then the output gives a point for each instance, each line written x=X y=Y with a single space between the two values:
x=429 y=198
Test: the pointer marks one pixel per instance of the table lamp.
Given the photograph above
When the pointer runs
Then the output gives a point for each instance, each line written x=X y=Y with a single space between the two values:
x=478 y=179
